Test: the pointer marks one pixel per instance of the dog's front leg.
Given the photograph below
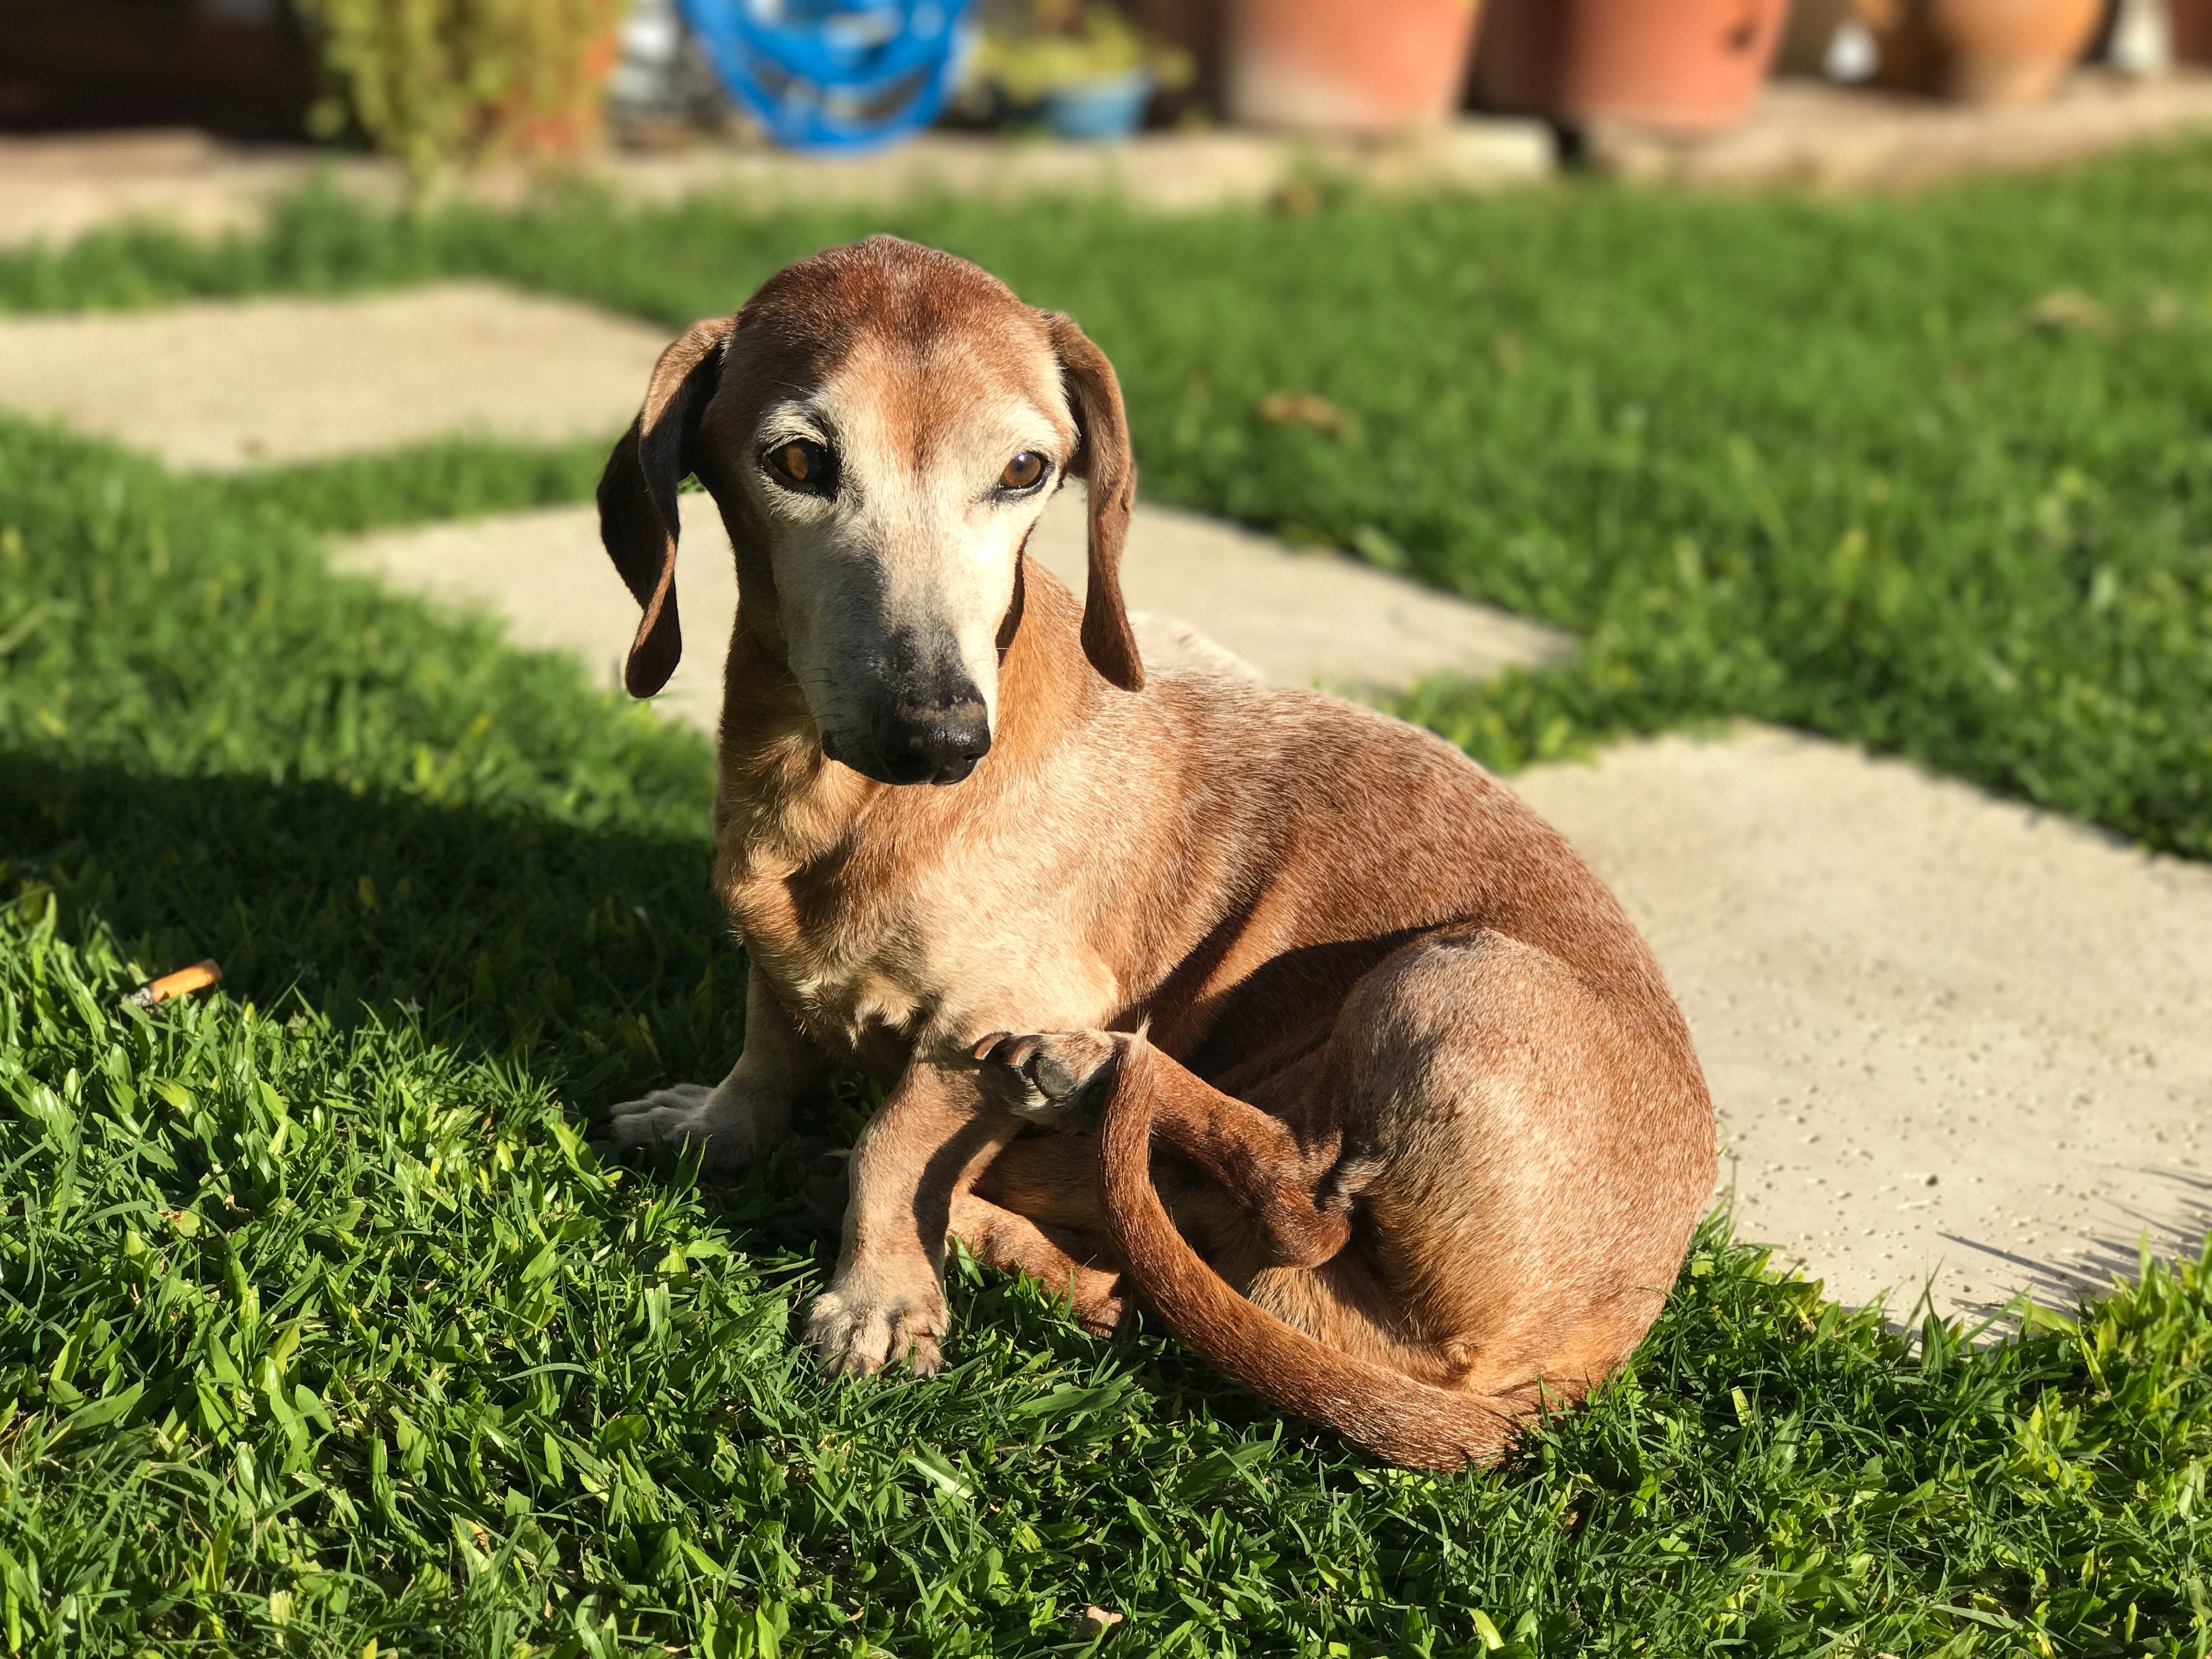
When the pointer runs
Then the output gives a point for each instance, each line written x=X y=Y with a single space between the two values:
x=741 y=1117
x=917 y=1158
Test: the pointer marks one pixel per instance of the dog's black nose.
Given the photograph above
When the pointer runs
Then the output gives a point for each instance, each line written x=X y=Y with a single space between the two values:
x=934 y=745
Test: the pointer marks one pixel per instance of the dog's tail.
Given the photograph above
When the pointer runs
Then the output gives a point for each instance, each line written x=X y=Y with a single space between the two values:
x=1387 y=1413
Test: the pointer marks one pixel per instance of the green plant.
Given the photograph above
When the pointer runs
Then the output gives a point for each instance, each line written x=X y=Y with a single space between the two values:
x=449 y=83
x=1031 y=47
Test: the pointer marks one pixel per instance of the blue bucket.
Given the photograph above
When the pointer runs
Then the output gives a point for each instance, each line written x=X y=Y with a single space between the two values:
x=834 y=74
x=1098 y=110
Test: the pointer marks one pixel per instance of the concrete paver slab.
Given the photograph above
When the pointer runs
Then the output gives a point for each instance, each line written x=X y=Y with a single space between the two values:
x=1946 y=1035
x=546 y=577
x=1300 y=619
x=54 y=189
x=1297 y=618
x=1808 y=132
x=224 y=385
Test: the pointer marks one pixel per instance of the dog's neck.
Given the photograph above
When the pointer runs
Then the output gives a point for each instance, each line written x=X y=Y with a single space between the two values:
x=782 y=804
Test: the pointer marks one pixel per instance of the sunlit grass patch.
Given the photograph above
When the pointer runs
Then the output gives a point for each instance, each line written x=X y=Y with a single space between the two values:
x=312 y=1336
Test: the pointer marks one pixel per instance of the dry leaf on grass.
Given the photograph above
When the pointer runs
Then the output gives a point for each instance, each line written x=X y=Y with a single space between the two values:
x=2068 y=307
x=1305 y=408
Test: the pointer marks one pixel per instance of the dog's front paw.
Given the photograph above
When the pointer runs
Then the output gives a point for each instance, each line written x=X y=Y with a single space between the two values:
x=734 y=1131
x=1053 y=1077
x=856 y=1330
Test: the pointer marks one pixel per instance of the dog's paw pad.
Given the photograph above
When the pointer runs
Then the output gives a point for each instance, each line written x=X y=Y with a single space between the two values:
x=1048 y=1077
x=662 y=1103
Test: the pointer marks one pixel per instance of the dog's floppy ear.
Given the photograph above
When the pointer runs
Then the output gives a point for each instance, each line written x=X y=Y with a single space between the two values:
x=638 y=517
x=1103 y=461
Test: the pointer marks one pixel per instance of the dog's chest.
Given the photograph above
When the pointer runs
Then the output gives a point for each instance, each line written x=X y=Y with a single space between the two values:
x=927 y=963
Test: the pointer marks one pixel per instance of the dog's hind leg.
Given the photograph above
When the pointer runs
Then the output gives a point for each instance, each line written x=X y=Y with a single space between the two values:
x=1271 y=1175
x=1051 y=1181
x=1011 y=1243
x=1521 y=1158
x=1526 y=1154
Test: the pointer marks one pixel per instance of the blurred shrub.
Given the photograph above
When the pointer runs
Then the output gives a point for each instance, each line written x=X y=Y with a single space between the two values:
x=441 y=84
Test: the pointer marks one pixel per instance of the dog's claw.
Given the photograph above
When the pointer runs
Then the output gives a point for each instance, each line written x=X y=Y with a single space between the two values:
x=734 y=1133
x=1108 y=1318
x=1053 y=1077
x=855 y=1334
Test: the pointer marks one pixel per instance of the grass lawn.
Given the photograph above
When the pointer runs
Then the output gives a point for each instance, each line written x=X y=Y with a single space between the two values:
x=319 y=1325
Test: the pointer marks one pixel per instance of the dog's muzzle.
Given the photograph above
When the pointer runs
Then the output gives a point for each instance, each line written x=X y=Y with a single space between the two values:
x=916 y=742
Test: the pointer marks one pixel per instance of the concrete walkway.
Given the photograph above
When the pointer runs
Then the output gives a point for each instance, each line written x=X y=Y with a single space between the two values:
x=1809 y=132
x=227 y=384
x=54 y=189
x=1948 y=1036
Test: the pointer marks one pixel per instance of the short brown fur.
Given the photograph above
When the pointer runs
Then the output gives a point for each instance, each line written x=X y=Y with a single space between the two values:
x=1398 y=1122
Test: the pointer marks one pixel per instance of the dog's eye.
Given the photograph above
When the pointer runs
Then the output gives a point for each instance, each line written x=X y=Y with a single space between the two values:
x=803 y=464
x=1026 y=471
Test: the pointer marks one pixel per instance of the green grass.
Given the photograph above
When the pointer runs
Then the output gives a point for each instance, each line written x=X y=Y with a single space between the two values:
x=1811 y=461
x=319 y=1324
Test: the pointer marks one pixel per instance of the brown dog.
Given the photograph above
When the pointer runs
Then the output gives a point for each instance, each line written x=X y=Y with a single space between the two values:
x=1428 y=1134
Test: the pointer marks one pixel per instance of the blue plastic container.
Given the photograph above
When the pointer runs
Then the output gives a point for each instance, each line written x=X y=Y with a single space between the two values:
x=1098 y=110
x=834 y=74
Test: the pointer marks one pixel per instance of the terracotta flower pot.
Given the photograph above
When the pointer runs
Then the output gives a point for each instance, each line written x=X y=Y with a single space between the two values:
x=2192 y=31
x=1980 y=52
x=1689 y=65
x=1809 y=34
x=1347 y=65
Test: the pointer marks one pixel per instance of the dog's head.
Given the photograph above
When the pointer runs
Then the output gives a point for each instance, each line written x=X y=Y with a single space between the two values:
x=880 y=425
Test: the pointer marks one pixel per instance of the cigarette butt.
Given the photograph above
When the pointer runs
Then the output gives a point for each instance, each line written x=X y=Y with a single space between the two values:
x=183 y=982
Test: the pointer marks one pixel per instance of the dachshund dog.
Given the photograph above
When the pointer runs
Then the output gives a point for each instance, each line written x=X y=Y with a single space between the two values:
x=1265 y=1011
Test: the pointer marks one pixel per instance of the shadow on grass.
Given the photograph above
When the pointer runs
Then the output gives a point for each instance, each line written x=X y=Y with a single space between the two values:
x=2168 y=1221
x=596 y=958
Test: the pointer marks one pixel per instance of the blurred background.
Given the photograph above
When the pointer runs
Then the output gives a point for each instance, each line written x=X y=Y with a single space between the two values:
x=444 y=85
